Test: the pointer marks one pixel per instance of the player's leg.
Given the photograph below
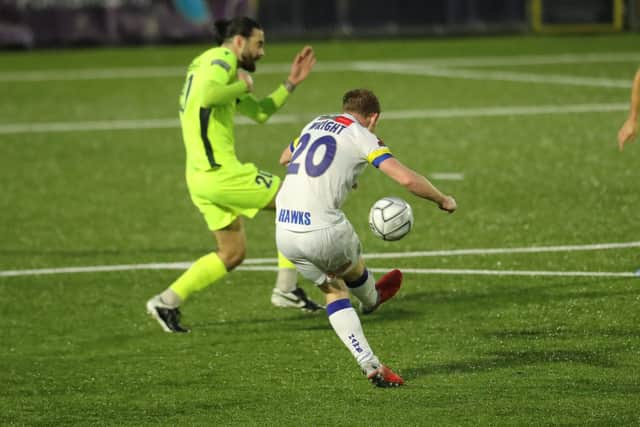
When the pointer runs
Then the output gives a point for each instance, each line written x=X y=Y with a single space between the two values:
x=210 y=268
x=202 y=273
x=346 y=324
x=317 y=261
x=358 y=278
x=361 y=283
x=286 y=292
x=370 y=292
x=287 y=280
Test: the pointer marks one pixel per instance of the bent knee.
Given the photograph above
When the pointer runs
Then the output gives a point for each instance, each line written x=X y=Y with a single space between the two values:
x=335 y=287
x=232 y=258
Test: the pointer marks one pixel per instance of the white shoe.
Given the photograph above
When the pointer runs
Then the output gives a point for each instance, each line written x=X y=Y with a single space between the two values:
x=168 y=317
x=295 y=299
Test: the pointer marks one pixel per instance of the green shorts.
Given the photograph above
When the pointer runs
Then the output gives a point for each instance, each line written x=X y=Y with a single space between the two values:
x=222 y=196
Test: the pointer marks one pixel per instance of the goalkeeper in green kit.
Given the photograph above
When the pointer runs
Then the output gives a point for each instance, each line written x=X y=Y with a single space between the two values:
x=222 y=187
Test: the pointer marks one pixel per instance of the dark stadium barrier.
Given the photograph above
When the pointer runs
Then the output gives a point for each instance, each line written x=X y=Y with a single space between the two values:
x=53 y=23
x=577 y=16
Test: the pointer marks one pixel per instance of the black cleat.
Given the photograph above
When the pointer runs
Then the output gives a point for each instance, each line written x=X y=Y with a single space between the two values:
x=294 y=299
x=167 y=317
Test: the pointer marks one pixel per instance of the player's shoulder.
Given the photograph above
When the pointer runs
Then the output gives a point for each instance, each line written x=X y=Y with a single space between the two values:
x=367 y=141
x=216 y=56
x=221 y=52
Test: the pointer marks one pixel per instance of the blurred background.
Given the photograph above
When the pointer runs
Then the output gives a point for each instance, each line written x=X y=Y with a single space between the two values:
x=521 y=309
x=52 y=23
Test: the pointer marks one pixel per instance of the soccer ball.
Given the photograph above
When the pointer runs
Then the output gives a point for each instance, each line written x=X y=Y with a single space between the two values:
x=390 y=218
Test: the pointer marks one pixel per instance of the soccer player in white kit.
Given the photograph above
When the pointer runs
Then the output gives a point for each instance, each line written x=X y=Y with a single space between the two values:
x=323 y=165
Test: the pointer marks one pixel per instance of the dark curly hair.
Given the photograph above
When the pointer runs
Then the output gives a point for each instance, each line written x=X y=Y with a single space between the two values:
x=227 y=28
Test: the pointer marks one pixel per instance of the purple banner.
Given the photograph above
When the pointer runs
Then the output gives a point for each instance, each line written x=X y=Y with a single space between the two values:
x=36 y=23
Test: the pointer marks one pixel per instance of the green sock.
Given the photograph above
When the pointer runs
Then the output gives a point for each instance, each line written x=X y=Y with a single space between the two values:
x=201 y=274
x=283 y=262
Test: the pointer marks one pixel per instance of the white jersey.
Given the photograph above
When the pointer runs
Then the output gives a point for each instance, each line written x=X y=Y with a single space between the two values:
x=328 y=156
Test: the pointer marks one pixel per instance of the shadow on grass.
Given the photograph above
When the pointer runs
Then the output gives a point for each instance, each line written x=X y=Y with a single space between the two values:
x=312 y=321
x=563 y=333
x=513 y=359
x=299 y=321
x=552 y=291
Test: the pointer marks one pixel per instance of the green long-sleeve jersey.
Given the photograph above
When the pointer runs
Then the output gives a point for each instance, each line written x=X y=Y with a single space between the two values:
x=210 y=97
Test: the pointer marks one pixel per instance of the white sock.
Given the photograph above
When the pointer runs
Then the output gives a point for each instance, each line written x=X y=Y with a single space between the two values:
x=287 y=279
x=346 y=324
x=365 y=289
x=170 y=298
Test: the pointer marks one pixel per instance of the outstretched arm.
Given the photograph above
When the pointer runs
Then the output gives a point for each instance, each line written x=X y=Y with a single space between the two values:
x=629 y=129
x=261 y=110
x=417 y=184
x=216 y=91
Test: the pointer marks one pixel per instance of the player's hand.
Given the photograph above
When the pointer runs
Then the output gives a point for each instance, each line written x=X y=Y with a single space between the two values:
x=448 y=204
x=246 y=77
x=627 y=132
x=302 y=65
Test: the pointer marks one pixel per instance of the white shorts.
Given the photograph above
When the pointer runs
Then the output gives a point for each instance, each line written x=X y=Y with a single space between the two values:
x=320 y=255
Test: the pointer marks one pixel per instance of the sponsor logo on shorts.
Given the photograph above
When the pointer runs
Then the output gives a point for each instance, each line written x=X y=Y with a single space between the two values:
x=290 y=216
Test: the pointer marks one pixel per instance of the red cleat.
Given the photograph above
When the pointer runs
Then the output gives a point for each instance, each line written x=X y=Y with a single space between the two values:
x=387 y=286
x=385 y=377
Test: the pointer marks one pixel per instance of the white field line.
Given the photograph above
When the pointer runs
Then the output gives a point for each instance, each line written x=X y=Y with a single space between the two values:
x=14 y=128
x=254 y=263
x=323 y=66
x=509 y=272
x=524 y=60
x=149 y=72
x=446 y=113
x=481 y=251
x=504 y=76
x=97 y=269
x=494 y=251
x=447 y=176
x=264 y=268
x=471 y=272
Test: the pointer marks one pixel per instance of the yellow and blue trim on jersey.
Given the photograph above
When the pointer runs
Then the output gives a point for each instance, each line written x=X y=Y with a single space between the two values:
x=294 y=144
x=378 y=156
x=375 y=157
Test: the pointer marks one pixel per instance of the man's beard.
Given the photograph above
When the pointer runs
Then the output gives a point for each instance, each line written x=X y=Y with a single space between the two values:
x=248 y=64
